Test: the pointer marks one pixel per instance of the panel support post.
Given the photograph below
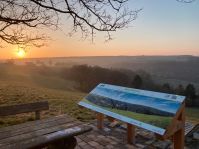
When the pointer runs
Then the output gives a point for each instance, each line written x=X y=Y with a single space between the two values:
x=178 y=137
x=130 y=133
x=100 y=120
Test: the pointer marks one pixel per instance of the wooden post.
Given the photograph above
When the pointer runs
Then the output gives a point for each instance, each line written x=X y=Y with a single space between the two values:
x=100 y=120
x=37 y=115
x=178 y=137
x=130 y=133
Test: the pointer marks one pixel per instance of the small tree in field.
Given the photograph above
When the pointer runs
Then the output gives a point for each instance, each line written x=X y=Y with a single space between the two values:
x=190 y=93
x=137 y=82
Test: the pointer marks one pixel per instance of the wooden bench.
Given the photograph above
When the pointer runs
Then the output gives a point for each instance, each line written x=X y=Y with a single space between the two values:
x=58 y=131
x=163 y=114
x=25 y=108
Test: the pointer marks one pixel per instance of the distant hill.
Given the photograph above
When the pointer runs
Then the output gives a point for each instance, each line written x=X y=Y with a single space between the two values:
x=171 y=69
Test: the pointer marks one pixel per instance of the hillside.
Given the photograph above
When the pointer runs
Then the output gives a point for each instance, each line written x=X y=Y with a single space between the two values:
x=19 y=84
x=22 y=84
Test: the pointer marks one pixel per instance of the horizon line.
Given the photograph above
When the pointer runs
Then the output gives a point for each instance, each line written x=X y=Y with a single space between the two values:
x=98 y=56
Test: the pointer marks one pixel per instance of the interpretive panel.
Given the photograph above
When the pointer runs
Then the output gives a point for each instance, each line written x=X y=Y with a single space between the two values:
x=150 y=110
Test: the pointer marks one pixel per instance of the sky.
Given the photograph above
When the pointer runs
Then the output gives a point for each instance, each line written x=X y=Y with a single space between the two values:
x=163 y=27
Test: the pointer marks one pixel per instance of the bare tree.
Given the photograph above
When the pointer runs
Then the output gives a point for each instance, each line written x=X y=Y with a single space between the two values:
x=21 y=21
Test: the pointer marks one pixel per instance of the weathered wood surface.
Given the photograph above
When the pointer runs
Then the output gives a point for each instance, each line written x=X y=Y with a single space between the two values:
x=24 y=108
x=40 y=132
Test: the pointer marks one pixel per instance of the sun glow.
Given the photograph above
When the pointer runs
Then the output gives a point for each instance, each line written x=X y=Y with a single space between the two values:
x=21 y=53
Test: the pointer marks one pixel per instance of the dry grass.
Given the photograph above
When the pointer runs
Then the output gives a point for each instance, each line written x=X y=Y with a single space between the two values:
x=60 y=101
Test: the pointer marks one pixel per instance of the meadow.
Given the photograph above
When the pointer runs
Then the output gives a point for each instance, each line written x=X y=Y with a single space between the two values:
x=24 y=84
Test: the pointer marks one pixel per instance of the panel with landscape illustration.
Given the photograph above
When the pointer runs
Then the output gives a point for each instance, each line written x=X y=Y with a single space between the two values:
x=150 y=110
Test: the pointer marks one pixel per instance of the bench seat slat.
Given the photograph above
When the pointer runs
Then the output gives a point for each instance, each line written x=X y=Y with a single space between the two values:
x=48 y=138
x=33 y=127
x=37 y=133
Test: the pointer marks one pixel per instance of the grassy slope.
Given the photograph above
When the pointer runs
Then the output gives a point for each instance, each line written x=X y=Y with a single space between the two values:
x=192 y=114
x=60 y=101
x=19 y=85
x=36 y=76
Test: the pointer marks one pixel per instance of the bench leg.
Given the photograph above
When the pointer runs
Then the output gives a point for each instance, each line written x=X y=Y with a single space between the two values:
x=100 y=120
x=130 y=134
x=68 y=143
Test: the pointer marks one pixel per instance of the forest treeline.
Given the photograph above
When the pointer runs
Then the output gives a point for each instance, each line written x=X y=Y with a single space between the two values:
x=88 y=77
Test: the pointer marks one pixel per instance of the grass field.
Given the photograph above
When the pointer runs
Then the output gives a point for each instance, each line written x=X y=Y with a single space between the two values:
x=23 y=86
x=61 y=101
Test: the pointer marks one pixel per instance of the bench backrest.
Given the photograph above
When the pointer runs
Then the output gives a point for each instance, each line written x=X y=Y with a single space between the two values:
x=24 y=108
x=150 y=110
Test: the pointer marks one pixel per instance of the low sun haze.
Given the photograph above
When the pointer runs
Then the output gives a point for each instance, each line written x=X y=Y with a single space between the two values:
x=161 y=28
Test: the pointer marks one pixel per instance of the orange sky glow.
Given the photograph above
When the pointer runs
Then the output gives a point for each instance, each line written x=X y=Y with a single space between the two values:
x=171 y=33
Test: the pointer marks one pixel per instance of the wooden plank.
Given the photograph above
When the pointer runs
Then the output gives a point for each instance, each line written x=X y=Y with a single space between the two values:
x=100 y=120
x=23 y=108
x=32 y=123
x=38 y=133
x=170 y=129
x=33 y=128
x=178 y=137
x=48 y=138
x=130 y=134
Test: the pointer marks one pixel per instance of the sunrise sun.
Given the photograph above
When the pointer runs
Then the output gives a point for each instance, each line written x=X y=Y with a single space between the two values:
x=21 y=53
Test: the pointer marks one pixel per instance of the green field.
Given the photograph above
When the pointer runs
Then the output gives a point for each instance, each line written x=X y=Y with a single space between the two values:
x=23 y=85
x=159 y=121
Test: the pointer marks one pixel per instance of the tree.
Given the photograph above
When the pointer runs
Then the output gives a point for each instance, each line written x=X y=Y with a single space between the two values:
x=17 y=17
x=190 y=93
x=20 y=19
x=166 y=88
x=137 y=82
x=180 y=89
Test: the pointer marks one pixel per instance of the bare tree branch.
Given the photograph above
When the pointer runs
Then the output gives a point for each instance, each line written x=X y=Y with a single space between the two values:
x=21 y=20
x=17 y=17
